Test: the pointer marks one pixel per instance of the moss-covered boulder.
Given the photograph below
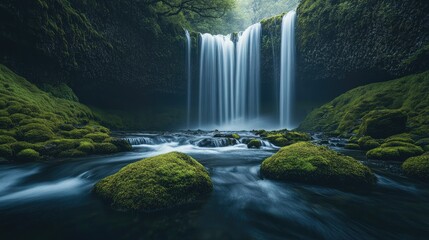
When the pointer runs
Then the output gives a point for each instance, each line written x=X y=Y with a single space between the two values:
x=383 y=123
x=28 y=155
x=367 y=143
x=254 y=143
x=394 y=151
x=283 y=138
x=352 y=146
x=309 y=163
x=155 y=183
x=417 y=167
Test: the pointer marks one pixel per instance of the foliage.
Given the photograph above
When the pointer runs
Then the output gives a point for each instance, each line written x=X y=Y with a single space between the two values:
x=308 y=163
x=155 y=183
x=344 y=114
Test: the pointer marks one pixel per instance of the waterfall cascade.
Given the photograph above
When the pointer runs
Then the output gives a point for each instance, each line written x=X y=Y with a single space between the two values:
x=228 y=91
x=188 y=76
x=229 y=78
x=287 y=70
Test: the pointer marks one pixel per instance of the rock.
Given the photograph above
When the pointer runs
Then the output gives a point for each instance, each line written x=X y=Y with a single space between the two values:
x=254 y=143
x=352 y=146
x=216 y=142
x=394 y=151
x=156 y=183
x=28 y=155
x=308 y=163
x=367 y=143
x=232 y=135
x=285 y=138
x=417 y=167
x=383 y=123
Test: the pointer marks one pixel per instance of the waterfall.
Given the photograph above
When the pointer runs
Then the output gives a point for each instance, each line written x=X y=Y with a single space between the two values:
x=229 y=78
x=188 y=76
x=287 y=72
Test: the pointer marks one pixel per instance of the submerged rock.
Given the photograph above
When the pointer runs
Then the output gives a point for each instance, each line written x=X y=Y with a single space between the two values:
x=285 y=138
x=417 y=167
x=308 y=163
x=156 y=183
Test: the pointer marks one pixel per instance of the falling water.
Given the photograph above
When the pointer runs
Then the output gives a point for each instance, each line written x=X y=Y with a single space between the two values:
x=229 y=80
x=287 y=73
x=188 y=73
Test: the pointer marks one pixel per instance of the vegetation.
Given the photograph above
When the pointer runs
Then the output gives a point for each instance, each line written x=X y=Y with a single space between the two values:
x=308 y=163
x=394 y=151
x=283 y=137
x=37 y=125
x=155 y=183
x=254 y=143
x=352 y=111
x=417 y=167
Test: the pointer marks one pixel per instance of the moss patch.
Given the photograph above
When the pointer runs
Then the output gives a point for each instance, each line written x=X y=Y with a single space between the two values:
x=394 y=151
x=417 y=167
x=51 y=126
x=155 y=183
x=254 y=143
x=308 y=163
x=284 y=137
x=344 y=115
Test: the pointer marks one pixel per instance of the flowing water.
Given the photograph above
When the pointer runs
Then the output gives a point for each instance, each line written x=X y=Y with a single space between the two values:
x=229 y=79
x=188 y=76
x=287 y=72
x=54 y=201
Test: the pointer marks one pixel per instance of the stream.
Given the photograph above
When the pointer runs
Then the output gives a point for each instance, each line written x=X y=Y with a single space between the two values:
x=53 y=200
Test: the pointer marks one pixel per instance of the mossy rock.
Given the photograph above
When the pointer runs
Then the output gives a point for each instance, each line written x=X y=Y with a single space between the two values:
x=97 y=137
x=121 y=144
x=5 y=151
x=383 y=123
x=156 y=183
x=105 y=148
x=86 y=147
x=417 y=167
x=4 y=139
x=72 y=153
x=5 y=122
x=404 y=137
x=232 y=135
x=394 y=151
x=367 y=143
x=28 y=155
x=352 y=146
x=254 y=143
x=423 y=142
x=284 y=138
x=308 y=163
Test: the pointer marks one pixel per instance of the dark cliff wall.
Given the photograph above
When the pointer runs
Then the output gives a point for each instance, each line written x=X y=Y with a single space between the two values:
x=342 y=44
x=112 y=53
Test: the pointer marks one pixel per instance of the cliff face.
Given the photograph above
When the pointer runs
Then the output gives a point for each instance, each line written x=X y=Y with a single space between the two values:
x=109 y=52
x=342 y=44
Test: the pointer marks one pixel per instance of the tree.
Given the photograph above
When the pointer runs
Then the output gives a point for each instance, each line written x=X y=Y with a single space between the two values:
x=203 y=8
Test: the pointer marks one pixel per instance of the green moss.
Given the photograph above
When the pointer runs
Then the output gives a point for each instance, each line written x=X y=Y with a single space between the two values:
x=345 y=113
x=121 y=144
x=352 y=146
x=6 y=139
x=97 y=137
x=383 y=123
x=5 y=151
x=86 y=147
x=308 y=163
x=235 y=136
x=395 y=151
x=5 y=122
x=41 y=121
x=367 y=143
x=417 y=167
x=405 y=137
x=254 y=143
x=283 y=138
x=155 y=183
x=105 y=148
x=60 y=91
x=72 y=153
x=28 y=155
